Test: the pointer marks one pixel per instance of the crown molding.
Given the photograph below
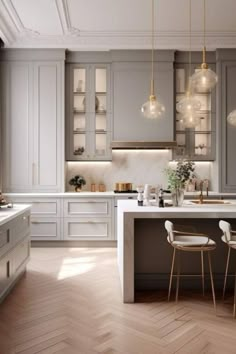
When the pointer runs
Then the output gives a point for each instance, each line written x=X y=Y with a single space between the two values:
x=64 y=17
x=81 y=40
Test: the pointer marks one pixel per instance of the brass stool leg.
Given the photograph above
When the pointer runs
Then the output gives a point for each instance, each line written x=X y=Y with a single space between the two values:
x=226 y=272
x=178 y=273
x=171 y=274
x=203 y=280
x=212 y=283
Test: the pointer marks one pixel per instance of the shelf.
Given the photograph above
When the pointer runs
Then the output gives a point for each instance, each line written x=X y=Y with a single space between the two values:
x=100 y=93
x=79 y=93
x=194 y=132
x=100 y=131
x=79 y=112
x=101 y=113
x=79 y=131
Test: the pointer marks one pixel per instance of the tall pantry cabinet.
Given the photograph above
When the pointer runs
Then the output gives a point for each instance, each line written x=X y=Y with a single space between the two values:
x=32 y=113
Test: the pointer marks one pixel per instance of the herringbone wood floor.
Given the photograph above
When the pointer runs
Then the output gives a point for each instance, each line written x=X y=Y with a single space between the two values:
x=70 y=303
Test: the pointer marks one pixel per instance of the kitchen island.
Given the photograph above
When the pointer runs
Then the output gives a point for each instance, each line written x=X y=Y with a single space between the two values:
x=144 y=255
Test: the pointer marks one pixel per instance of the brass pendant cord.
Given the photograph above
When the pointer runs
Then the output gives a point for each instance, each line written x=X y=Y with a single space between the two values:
x=204 y=33
x=152 y=78
x=190 y=45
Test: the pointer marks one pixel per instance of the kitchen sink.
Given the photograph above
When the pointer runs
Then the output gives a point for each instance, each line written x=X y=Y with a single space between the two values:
x=210 y=201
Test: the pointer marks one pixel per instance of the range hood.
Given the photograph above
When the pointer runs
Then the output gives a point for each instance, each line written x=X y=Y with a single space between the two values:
x=149 y=145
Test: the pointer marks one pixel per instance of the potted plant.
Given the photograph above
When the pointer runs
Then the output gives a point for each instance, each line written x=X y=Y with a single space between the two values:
x=77 y=181
x=177 y=179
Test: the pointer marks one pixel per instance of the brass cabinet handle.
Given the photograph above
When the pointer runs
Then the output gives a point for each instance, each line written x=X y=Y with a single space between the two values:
x=35 y=222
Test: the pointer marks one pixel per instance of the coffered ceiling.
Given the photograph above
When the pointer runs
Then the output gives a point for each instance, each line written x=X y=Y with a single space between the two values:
x=114 y=24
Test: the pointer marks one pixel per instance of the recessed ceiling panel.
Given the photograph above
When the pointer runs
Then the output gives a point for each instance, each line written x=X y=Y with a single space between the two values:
x=39 y=15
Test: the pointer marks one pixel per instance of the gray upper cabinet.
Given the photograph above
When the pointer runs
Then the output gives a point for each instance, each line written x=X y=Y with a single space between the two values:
x=32 y=106
x=131 y=77
x=88 y=108
x=226 y=95
x=195 y=143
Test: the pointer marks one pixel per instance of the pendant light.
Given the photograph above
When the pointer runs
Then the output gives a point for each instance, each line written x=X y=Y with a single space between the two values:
x=204 y=79
x=189 y=104
x=153 y=108
x=232 y=118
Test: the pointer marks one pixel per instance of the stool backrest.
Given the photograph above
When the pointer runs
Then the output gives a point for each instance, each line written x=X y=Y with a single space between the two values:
x=170 y=229
x=226 y=228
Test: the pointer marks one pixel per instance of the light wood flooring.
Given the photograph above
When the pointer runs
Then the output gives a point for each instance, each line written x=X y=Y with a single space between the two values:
x=69 y=302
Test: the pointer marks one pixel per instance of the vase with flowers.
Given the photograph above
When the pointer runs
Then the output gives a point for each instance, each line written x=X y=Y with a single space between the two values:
x=77 y=181
x=178 y=178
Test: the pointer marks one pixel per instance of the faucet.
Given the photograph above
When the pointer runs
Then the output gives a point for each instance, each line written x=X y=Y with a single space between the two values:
x=201 y=190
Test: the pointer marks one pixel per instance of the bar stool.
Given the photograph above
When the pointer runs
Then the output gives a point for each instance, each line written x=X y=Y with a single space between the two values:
x=189 y=242
x=229 y=237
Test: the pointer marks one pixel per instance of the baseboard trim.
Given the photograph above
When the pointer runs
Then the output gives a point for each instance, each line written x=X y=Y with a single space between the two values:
x=74 y=244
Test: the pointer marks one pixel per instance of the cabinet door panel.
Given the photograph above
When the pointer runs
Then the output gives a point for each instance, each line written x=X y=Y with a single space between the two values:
x=87 y=229
x=16 y=91
x=47 y=130
x=45 y=229
x=131 y=90
x=21 y=254
x=87 y=207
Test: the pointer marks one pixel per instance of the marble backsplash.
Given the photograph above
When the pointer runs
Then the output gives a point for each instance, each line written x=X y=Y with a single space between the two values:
x=131 y=166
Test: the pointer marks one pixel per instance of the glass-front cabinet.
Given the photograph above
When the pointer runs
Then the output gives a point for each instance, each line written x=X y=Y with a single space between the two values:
x=196 y=143
x=89 y=114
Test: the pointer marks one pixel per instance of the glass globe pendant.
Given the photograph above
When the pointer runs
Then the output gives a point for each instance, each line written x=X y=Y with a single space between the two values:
x=232 y=118
x=188 y=103
x=153 y=108
x=204 y=79
x=190 y=120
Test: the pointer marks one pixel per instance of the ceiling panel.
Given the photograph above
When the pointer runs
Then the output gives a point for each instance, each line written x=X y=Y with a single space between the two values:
x=39 y=15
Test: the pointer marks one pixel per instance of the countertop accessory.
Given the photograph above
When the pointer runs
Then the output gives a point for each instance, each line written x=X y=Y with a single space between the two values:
x=177 y=179
x=147 y=194
x=77 y=181
x=153 y=108
x=123 y=187
x=161 y=198
x=140 y=195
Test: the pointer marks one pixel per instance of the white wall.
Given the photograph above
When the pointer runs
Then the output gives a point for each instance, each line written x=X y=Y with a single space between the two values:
x=132 y=166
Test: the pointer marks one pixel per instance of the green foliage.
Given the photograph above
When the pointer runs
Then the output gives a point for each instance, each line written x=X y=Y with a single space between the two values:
x=177 y=177
x=77 y=181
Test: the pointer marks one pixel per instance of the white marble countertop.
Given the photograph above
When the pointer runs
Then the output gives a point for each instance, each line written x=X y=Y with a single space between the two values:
x=188 y=210
x=106 y=194
x=7 y=214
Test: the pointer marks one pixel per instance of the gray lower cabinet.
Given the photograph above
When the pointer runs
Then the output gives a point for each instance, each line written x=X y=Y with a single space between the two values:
x=88 y=219
x=32 y=108
x=131 y=88
x=14 y=250
x=45 y=217
x=226 y=95
x=87 y=229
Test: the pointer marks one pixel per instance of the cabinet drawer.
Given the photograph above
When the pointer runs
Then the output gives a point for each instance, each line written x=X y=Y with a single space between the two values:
x=87 y=229
x=21 y=254
x=41 y=206
x=87 y=207
x=5 y=273
x=45 y=229
x=4 y=239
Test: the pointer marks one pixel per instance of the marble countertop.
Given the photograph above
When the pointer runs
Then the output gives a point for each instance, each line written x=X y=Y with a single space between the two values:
x=7 y=214
x=188 y=210
x=106 y=194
